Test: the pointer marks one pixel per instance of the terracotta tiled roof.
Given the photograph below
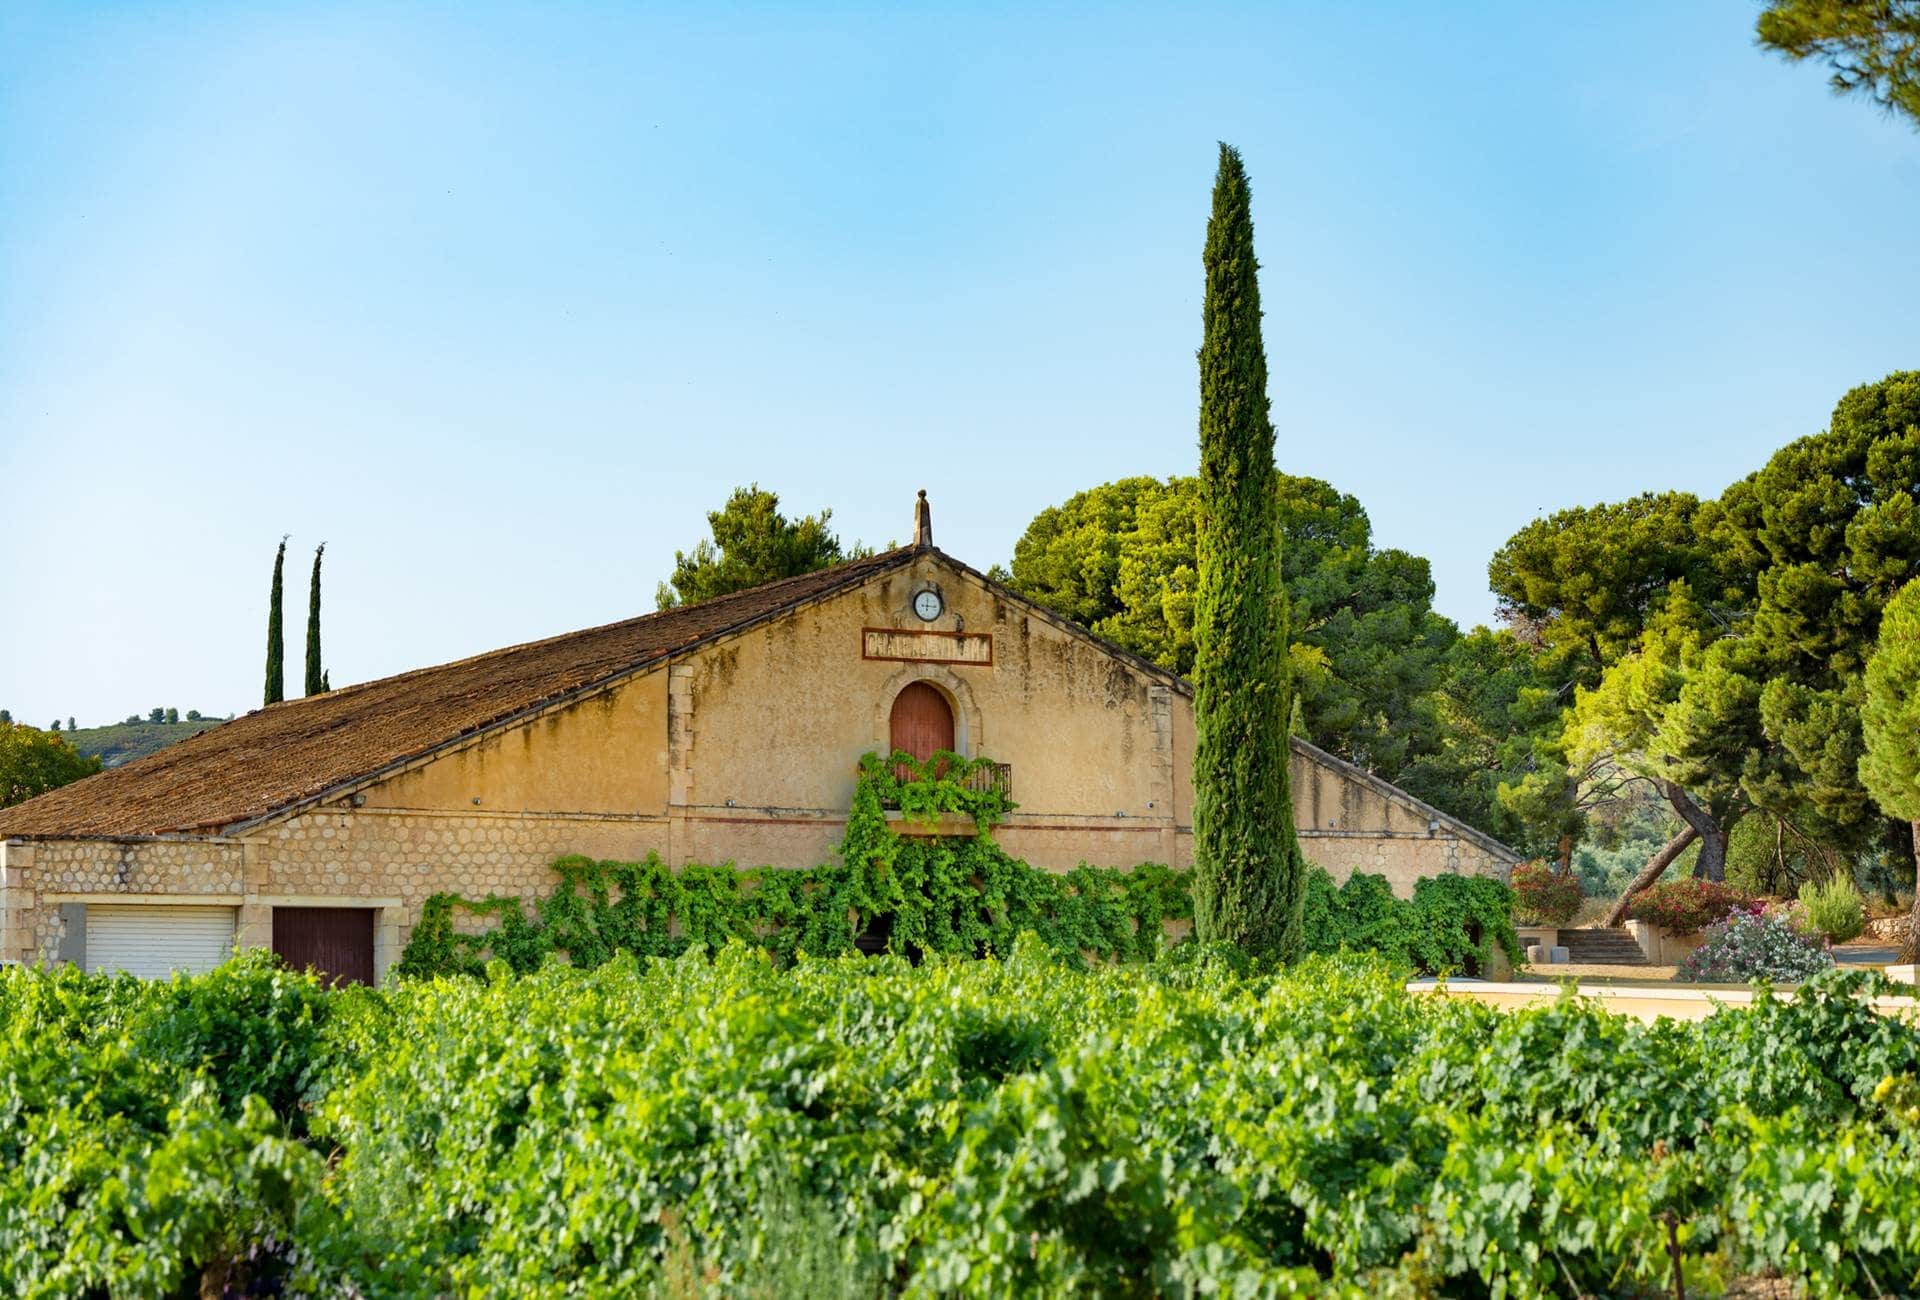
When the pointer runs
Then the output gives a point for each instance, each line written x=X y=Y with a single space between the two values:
x=285 y=754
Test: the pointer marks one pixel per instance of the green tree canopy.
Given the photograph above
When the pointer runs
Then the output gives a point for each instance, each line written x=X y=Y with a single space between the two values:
x=1833 y=516
x=1249 y=877
x=752 y=543
x=1367 y=649
x=1718 y=646
x=1890 y=717
x=1497 y=764
x=1579 y=588
x=1873 y=46
x=1584 y=581
x=33 y=762
x=1890 y=724
x=1677 y=712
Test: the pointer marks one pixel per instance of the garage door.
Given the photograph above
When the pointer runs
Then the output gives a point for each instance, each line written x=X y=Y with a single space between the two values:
x=335 y=943
x=156 y=941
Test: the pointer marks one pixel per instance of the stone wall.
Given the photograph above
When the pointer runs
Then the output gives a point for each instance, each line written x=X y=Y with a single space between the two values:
x=137 y=866
x=37 y=878
x=1402 y=857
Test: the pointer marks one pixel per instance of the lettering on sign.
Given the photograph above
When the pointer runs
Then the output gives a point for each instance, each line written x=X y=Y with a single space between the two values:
x=927 y=647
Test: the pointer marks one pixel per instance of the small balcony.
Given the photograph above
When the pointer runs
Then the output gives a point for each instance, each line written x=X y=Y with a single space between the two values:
x=986 y=778
x=994 y=778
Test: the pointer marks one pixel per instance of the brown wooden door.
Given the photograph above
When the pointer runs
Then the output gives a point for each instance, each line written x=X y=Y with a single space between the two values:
x=334 y=942
x=922 y=721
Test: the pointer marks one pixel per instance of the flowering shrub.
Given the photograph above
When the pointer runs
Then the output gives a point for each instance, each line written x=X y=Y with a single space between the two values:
x=1683 y=906
x=1543 y=896
x=1749 y=947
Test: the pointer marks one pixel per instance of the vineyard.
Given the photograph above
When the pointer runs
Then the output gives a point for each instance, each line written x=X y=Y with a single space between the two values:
x=728 y=1125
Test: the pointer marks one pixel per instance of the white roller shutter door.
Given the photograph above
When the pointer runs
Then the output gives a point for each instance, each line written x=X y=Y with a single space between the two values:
x=155 y=941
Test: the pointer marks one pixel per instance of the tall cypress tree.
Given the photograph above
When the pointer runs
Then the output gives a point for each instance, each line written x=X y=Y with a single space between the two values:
x=276 y=647
x=1249 y=876
x=316 y=679
x=1889 y=720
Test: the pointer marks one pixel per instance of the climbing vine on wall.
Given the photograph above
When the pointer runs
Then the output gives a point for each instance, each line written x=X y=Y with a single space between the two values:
x=960 y=894
x=1452 y=923
x=951 y=894
x=945 y=784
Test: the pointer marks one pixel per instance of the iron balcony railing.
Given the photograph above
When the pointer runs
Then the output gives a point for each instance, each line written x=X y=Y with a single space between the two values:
x=994 y=777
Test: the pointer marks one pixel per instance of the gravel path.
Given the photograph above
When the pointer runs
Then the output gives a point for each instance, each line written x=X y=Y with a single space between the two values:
x=1553 y=973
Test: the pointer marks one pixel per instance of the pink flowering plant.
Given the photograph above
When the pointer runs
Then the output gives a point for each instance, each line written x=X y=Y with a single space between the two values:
x=1543 y=896
x=1684 y=906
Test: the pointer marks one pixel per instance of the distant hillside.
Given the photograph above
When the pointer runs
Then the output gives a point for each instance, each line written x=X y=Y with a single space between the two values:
x=125 y=741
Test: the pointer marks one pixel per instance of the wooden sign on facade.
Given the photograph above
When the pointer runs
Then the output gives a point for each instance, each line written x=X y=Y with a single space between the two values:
x=926 y=646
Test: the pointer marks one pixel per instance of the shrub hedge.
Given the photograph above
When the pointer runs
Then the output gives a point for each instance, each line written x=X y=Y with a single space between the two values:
x=727 y=1125
x=1833 y=909
x=1545 y=896
x=1684 y=906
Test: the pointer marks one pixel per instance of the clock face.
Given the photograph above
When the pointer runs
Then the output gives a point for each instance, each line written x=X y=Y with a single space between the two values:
x=927 y=604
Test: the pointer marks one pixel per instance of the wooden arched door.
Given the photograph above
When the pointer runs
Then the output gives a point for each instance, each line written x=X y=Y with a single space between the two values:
x=922 y=722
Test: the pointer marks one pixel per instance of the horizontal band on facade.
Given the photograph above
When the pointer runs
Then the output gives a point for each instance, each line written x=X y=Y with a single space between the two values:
x=499 y=814
x=144 y=900
x=768 y=820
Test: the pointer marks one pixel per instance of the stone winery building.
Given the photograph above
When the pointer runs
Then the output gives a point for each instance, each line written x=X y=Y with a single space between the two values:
x=726 y=731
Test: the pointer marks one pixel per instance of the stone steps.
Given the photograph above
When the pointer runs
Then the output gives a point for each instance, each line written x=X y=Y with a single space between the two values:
x=1602 y=947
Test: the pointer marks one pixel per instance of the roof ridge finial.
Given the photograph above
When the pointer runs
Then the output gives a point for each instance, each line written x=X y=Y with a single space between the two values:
x=922 y=523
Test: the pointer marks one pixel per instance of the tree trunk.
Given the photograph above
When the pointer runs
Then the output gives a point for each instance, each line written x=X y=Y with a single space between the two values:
x=1910 y=950
x=1656 y=865
x=1713 y=836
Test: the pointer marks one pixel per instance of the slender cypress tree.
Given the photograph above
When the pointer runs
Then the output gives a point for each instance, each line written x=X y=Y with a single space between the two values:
x=276 y=647
x=316 y=678
x=1249 y=876
x=1889 y=721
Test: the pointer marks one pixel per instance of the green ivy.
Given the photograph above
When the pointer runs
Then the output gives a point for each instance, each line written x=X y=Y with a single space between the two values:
x=948 y=894
x=1451 y=924
x=925 y=792
x=957 y=894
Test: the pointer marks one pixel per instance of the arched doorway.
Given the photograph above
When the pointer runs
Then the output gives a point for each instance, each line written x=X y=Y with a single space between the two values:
x=922 y=721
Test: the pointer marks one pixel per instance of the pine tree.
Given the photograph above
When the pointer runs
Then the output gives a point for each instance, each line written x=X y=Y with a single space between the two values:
x=1889 y=720
x=316 y=677
x=1249 y=877
x=276 y=645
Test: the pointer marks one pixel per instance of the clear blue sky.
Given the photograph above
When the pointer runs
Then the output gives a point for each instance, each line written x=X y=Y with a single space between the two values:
x=498 y=300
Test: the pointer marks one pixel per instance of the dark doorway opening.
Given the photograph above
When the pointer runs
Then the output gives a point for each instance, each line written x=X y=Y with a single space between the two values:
x=873 y=940
x=335 y=943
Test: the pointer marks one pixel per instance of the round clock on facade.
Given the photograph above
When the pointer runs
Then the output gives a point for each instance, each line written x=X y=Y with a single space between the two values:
x=928 y=605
